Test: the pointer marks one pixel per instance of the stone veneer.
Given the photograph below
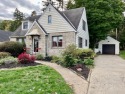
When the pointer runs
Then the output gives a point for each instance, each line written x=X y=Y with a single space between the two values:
x=68 y=38
x=45 y=42
x=42 y=39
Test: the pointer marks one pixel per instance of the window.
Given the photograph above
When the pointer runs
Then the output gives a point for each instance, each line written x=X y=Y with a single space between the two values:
x=57 y=41
x=80 y=42
x=21 y=40
x=25 y=25
x=49 y=19
x=84 y=25
x=86 y=42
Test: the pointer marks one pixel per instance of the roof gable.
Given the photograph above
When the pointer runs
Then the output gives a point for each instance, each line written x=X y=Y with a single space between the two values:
x=40 y=26
x=74 y=15
x=59 y=22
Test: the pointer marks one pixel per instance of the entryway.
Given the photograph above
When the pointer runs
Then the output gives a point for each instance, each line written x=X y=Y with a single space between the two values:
x=35 y=43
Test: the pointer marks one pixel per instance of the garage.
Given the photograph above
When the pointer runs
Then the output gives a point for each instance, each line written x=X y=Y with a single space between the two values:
x=109 y=46
x=108 y=49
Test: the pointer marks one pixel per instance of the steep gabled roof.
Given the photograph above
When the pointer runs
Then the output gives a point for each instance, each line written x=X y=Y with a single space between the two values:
x=74 y=15
x=19 y=31
x=4 y=35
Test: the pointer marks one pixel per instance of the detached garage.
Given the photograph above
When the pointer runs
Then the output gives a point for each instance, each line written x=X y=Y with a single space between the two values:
x=109 y=46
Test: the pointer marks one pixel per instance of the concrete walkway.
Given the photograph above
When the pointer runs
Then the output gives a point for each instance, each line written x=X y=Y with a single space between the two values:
x=108 y=76
x=79 y=85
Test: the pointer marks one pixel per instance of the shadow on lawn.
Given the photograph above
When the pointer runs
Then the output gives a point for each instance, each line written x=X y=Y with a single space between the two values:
x=9 y=66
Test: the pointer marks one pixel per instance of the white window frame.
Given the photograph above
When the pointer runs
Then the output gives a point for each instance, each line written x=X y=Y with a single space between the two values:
x=50 y=19
x=23 y=23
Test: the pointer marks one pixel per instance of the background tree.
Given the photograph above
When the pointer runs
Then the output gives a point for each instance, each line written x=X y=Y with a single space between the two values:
x=102 y=15
x=33 y=13
x=5 y=25
x=18 y=17
x=61 y=4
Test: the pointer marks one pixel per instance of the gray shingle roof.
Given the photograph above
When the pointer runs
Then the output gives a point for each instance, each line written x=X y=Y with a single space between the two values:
x=19 y=31
x=74 y=15
x=32 y=18
x=4 y=35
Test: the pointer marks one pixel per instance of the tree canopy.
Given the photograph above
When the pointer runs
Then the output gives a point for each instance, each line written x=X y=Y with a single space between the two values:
x=102 y=16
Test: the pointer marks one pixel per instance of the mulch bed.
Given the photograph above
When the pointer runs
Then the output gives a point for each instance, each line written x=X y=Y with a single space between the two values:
x=82 y=70
x=9 y=66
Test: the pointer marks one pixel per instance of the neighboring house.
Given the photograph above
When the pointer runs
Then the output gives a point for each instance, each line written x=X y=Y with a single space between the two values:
x=4 y=36
x=109 y=46
x=50 y=33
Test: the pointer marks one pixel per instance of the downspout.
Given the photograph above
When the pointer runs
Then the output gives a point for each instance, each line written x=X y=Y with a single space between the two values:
x=46 y=48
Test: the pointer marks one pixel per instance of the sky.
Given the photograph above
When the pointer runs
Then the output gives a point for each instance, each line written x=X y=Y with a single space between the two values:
x=7 y=7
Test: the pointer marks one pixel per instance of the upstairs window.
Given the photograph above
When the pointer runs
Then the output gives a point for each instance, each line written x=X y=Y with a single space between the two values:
x=57 y=41
x=25 y=25
x=84 y=25
x=80 y=42
x=49 y=19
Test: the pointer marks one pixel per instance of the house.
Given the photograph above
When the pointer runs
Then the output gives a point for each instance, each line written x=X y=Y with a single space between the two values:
x=109 y=46
x=51 y=32
x=4 y=36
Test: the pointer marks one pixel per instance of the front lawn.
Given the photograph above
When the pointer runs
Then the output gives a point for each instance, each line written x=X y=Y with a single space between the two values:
x=122 y=54
x=33 y=80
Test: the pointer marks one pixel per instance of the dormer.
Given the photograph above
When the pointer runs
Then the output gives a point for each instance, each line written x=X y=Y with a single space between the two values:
x=25 y=25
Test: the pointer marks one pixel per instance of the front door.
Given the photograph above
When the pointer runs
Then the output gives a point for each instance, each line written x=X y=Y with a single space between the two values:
x=35 y=43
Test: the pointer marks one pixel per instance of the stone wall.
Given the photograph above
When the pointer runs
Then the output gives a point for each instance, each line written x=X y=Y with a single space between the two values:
x=68 y=38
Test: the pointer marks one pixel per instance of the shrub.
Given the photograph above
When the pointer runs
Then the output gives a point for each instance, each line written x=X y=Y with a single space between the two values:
x=70 y=50
x=39 y=57
x=14 y=48
x=4 y=54
x=69 y=61
x=88 y=62
x=26 y=58
x=8 y=60
x=55 y=59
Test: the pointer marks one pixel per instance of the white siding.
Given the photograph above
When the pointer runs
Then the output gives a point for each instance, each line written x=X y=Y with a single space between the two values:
x=109 y=40
x=81 y=33
x=12 y=39
x=59 y=24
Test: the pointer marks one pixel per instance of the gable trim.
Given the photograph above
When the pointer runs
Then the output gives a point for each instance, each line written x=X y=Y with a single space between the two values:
x=42 y=29
x=81 y=17
x=70 y=24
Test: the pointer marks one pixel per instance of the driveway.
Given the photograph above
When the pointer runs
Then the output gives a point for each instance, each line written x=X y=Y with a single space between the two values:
x=108 y=76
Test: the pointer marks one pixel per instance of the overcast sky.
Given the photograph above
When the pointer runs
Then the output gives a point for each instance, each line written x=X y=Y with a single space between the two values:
x=7 y=7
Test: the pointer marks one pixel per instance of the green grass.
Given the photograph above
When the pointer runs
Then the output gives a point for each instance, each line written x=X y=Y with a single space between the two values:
x=122 y=54
x=33 y=80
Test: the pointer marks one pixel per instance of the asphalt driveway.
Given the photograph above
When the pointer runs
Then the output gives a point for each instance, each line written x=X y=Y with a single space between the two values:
x=108 y=76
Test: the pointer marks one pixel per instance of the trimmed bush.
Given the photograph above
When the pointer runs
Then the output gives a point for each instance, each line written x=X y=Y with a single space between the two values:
x=26 y=58
x=73 y=55
x=4 y=54
x=88 y=62
x=39 y=57
x=8 y=60
x=14 y=48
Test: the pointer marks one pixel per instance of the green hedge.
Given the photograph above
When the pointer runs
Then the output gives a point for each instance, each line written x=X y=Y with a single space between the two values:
x=14 y=48
x=4 y=54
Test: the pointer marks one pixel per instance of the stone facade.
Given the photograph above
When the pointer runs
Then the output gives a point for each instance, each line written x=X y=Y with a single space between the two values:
x=42 y=38
x=68 y=38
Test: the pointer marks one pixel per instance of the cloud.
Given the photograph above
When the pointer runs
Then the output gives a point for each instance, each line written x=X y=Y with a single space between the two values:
x=27 y=4
x=7 y=7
